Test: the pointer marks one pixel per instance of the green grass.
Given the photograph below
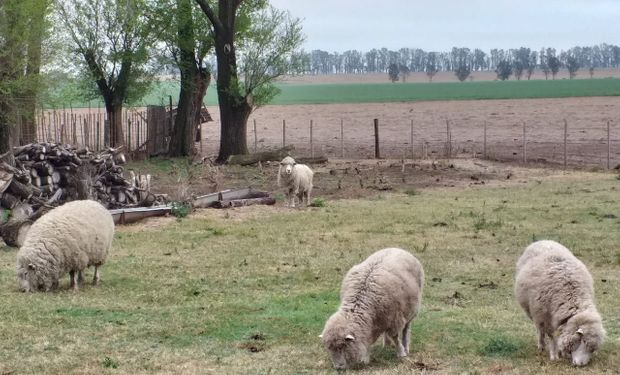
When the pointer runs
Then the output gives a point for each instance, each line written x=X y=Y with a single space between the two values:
x=402 y=92
x=241 y=293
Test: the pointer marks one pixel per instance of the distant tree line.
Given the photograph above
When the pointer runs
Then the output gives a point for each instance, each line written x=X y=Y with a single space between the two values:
x=522 y=61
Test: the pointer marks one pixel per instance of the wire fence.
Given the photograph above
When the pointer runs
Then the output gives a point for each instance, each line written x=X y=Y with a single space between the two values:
x=557 y=142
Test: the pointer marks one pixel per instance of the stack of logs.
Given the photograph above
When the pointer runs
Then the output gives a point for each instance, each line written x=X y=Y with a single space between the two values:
x=45 y=175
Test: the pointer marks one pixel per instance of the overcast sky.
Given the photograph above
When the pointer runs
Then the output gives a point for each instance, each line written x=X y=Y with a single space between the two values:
x=434 y=25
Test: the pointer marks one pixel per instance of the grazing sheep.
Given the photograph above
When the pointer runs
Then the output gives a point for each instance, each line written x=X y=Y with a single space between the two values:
x=297 y=180
x=379 y=296
x=555 y=290
x=69 y=238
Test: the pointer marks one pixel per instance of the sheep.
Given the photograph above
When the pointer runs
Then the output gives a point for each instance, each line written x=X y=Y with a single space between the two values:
x=381 y=295
x=68 y=238
x=297 y=179
x=555 y=290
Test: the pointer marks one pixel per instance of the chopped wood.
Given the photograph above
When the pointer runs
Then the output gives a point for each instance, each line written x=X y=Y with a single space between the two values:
x=275 y=155
x=14 y=231
x=244 y=202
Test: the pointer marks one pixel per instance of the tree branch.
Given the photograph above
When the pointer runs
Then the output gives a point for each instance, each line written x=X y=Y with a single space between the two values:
x=217 y=24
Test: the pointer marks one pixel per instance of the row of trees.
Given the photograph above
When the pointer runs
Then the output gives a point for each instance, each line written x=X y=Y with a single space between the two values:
x=418 y=60
x=116 y=46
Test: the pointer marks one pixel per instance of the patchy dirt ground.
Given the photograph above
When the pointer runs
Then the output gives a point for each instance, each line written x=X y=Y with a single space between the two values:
x=543 y=118
x=345 y=179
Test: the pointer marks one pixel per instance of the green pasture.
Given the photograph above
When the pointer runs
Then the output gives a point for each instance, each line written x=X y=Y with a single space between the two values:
x=247 y=291
x=290 y=94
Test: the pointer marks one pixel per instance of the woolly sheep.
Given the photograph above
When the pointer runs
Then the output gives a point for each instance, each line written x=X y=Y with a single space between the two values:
x=555 y=290
x=297 y=180
x=381 y=295
x=69 y=238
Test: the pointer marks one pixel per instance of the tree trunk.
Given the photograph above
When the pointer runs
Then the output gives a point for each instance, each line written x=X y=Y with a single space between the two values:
x=33 y=65
x=181 y=141
x=5 y=127
x=115 y=124
x=234 y=107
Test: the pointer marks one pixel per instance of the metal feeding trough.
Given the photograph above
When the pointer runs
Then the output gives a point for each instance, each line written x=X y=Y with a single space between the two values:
x=234 y=198
x=221 y=199
x=131 y=215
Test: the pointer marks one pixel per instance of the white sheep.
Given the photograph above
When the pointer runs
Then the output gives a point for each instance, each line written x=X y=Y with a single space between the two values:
x=69 y=238
x=556 y=291
x=381 y=295
x=297 y=180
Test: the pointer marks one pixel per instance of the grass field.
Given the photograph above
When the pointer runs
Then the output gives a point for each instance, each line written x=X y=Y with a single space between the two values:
x=247 y=291
x=322 y=93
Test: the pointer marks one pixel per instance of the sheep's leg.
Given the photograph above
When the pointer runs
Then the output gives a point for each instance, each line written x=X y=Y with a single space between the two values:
x=553 y=348
x=387 y=340
x=74 y=279
x=398 y=341
x=541 y=339
x=406 y=336
x=80 y=278
x=96 y=277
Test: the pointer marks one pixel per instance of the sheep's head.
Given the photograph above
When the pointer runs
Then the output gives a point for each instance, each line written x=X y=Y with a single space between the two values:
x=344 y=343
x=32 y=277
x=581 y=337
x=287 y=164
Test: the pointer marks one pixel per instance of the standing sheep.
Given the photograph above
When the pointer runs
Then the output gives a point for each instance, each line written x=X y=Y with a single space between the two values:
x=555 y=290
x=69 y=238
x=297 y=180
x=379 y=296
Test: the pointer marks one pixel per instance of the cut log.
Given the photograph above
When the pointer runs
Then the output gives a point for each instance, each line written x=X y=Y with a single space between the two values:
x=22 y=211
x=250 y=159
x=9 y=200
x=312 y=160
x=14 y=232
x=20 y=190
x=244 y=202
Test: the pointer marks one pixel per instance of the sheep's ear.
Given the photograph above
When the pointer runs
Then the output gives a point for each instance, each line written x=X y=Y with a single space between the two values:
x=31 y=266
x=349 y=338
x=580 y=331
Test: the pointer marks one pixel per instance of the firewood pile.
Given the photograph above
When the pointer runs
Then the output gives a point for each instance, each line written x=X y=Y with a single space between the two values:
x=51 y=174
x=45 y=175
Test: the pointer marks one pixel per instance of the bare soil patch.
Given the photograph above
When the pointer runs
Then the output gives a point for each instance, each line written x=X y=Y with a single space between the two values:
x=544 y=119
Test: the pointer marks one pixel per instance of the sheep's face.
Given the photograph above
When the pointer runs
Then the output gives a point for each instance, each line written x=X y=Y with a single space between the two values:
x=31 y=279
x=579 y=341
x=345 y=349
x=287 y=165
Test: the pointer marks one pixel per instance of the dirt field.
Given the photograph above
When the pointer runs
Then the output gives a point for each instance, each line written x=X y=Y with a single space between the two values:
x=440 y=77
x=544 y=119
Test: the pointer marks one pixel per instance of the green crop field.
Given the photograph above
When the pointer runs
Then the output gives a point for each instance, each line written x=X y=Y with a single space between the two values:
x=402 y=92
x=248 y=291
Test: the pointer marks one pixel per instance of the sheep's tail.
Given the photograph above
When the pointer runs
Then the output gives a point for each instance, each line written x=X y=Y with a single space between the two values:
x=279 y=173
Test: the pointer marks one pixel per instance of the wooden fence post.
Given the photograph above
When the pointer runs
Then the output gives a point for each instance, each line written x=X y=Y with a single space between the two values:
x=128 y=134
x=283 y=133
x=342 y=138
x=377 y=153
x=448 y=140
x=608 y=146
x=412 y=149
x=565 y=143
x=311 y=143
x=524 y=145
x=484 y=144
